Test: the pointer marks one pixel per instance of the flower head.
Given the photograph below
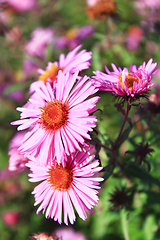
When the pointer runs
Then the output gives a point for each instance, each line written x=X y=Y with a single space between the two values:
x=71 y=63
x=43 y=236
x=124 y=82
x=120 y=198
x=59 y=118
x=63 y=187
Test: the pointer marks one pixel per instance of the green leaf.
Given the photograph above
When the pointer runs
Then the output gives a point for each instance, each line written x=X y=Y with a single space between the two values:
x=135 y=171
x=96 y=62
x=108 y=172
x=149 y=226
x=153 y=197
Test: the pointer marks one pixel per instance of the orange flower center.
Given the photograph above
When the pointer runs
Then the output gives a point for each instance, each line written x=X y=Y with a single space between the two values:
x=54 y=115
x=51 y=73
x=129 y=80
x=60 y=177
x=71 y=34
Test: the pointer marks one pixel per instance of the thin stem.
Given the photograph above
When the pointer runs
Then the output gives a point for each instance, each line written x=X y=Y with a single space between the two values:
x=100 y=144
x=124 y=224
x=124 y=121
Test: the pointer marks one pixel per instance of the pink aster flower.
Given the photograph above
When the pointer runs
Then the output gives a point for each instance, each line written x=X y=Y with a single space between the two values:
x=68 y=233
x=17 y=161
x=124 y=82
x=71 y=63
x=59 y=118
x=63 y=187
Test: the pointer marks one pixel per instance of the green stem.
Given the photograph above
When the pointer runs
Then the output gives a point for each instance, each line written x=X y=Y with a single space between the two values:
x=124 y=224
x=124 y=121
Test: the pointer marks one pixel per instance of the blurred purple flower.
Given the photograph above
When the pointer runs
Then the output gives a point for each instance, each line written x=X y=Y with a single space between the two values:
x=68 y=233
x=73 y=37
x=28 y=66
x=16 y=95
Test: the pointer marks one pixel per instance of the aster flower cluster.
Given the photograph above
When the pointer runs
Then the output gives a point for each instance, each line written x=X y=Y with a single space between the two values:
x=57 y=122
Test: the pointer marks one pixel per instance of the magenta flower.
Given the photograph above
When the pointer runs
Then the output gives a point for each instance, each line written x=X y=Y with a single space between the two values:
x=59 y=118
x=16 y=160
x=71 y=63
x=124 y=82
x=63 y=187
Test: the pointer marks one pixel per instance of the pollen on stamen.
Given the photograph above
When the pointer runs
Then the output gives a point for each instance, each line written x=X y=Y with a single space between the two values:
x=59 y=177
x=129 y=80
x=54 y=115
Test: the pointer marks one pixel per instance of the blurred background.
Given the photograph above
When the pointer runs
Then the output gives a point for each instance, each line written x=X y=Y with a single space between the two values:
x=34 y=32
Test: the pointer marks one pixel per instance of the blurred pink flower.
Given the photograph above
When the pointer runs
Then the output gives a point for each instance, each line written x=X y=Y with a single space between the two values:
x=17 y=161
x=91 y=3
x=63 y=187
x=22 y=5
x=122 y=82
x=40 y=38
x=59 y=118
x=143 y=4
x=68 y=233
x=6 y=174
x=71 y=63
x=10 y=218
x=134 y=36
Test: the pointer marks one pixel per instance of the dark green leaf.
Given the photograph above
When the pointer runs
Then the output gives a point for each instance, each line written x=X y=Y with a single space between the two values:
x=135 y=171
